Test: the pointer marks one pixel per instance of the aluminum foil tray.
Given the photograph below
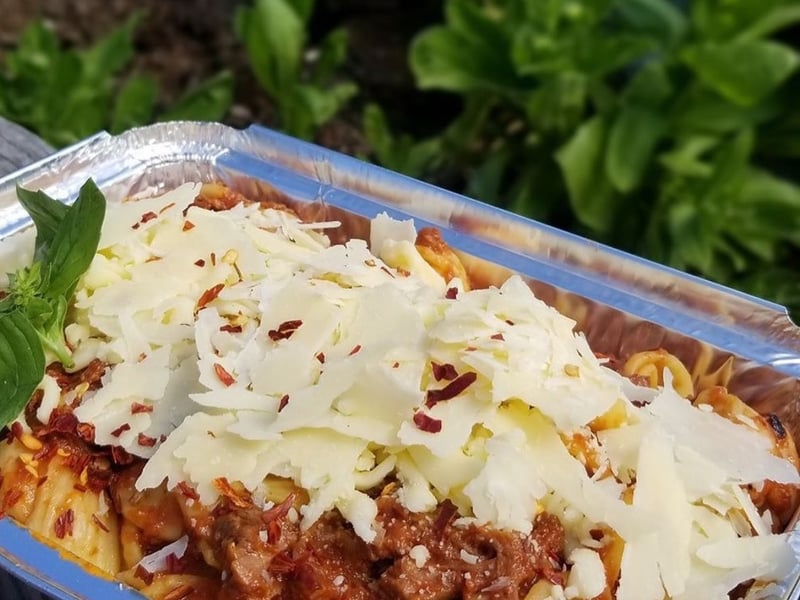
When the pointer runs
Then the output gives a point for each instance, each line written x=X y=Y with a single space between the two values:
x=622 y=303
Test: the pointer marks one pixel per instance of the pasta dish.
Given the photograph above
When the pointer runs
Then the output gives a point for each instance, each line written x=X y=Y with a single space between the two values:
x=247 y=410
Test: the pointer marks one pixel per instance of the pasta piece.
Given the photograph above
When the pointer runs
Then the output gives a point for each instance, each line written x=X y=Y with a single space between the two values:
x=181 y=586
x=217 y=196
x=541 y=590
x=583 y=446
x=611 y=555
x=440 y=256
x=614 y=417
x=74 y=517
x=155 y=512
x=702 y=375
x=650 y=366
x=197 y=518
x=19 y=476
x=277 y=489
x=131 y=544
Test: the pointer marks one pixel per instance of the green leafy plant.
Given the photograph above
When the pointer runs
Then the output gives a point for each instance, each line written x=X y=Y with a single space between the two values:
x=65 y=95
x=32 y=311
x=665 y=128
x=400 y=152
x=307 y=93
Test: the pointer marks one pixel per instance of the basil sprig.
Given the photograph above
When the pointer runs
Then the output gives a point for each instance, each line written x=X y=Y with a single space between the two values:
x=33 y=311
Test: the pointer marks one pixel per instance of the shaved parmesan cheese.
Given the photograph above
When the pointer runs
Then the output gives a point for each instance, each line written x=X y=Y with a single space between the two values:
x=742 y=453
x=157 y=561
x=588 y=575
x=420 y=555
x=507 y=490
x=660 y=490
x=251 y=347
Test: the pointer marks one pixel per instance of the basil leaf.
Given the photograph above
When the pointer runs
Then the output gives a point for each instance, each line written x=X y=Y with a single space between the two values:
x=47 y=215
x=75 y=243
x=21 y=364
x=51 y=332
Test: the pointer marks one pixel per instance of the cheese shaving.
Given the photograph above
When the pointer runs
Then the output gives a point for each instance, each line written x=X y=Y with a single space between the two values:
x=312 y=362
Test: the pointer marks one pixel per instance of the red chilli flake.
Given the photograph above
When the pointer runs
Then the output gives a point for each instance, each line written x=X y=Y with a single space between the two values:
x=10 y=499
x=356 y=349
x=284 y=401
x=231 y=328
x=15 y=432
x=138 y=407
x=85 y=431
x=280 y=510
x=45 y=452
x=143 y=574
x=187 y=225
x=320 y=356
x=498 y=336
x=444 y=371
x=64 y=523
x=174 y=564
x=200 y=262
x=446 y=514
x=451 y=390
x=62 y=422
x=209 y=295
x=213 y=258
x=120 y=456
x=285 y=330
x=281 y=564
x=148 y=216
x=451 y=293
x=188 y=491
x=121 y=429
x=239 y=499
x=146 y=440
x=273 y=532
x=225 y=377
x=426 y=423
x=97 y=521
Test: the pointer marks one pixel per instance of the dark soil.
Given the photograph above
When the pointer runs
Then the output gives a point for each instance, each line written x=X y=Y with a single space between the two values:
x=182 y=42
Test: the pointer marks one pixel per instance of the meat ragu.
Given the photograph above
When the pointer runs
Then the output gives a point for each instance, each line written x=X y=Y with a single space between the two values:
x=356 y=491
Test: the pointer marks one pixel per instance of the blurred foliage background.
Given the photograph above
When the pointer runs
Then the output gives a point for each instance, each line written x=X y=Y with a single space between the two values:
x=667 y=128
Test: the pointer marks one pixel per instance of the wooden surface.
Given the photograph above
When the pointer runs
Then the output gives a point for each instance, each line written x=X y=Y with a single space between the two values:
x=19 y=147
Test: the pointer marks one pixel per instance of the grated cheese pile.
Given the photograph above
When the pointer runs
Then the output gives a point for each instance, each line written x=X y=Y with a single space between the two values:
x=249 y=346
